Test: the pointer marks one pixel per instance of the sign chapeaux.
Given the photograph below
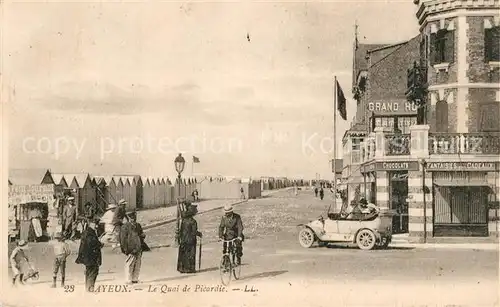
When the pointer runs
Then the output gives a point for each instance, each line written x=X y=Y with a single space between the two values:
x=21 y=194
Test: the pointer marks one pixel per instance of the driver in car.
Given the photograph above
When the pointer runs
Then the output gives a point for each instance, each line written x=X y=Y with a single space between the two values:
x=368 y=208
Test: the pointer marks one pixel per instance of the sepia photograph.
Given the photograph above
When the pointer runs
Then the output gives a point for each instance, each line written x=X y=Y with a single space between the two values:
x=250 y=153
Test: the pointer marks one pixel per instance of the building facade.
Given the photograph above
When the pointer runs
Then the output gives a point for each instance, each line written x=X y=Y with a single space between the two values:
x=440 y=171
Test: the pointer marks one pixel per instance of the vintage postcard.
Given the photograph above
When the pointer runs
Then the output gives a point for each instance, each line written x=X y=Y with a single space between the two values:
x=250 y=153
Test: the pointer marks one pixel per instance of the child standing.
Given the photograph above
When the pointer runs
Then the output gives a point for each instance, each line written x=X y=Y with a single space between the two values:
x=61 y=252
x=19 y=262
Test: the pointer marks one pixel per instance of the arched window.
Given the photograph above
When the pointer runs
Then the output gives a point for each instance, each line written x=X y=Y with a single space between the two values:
x=442 y=116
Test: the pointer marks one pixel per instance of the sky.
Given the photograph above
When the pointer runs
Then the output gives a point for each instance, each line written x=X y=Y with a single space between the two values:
x=247 y=87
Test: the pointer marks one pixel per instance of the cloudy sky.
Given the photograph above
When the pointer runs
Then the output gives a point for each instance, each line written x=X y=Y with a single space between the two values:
x=246 y=87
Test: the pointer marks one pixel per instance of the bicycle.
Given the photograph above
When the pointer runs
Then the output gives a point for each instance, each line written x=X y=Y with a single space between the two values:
x=228 y=266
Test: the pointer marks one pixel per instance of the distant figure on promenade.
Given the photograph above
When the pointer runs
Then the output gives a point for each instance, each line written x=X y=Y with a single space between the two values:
x=321 y=193
x=188 y=233
x=69 y=219
x=242 y=192
x=315 y=191
x=61 y=252
x=196 y=197
x=131 y=245
x=19 y=262
x=89 y=254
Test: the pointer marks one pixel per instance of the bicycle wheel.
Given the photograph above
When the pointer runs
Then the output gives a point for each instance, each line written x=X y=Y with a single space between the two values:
x=225 y=270
x=236 y=268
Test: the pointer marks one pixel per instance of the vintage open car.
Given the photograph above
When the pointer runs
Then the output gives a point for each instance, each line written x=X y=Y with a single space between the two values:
x=366 y=230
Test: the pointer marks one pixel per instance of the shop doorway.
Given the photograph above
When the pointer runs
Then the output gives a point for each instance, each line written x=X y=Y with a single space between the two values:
x=460 y=211
x=398 y=187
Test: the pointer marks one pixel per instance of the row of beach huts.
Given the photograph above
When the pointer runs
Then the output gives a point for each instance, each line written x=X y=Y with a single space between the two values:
x=145 y=192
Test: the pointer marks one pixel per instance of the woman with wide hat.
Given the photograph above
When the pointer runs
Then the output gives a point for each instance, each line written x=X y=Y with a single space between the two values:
x=188 y=233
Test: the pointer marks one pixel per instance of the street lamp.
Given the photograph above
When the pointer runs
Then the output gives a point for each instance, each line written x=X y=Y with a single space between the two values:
x=424 y=164
x=179 y=163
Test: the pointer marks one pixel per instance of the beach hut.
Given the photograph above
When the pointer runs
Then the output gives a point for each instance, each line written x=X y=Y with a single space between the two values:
x=85 y=191
x=156 y=189
x=148 y=193
x=119 y=188
x=129 y=190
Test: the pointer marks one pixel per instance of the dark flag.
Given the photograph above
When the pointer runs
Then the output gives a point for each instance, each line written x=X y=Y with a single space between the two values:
x=196 y=159
x=341 y=101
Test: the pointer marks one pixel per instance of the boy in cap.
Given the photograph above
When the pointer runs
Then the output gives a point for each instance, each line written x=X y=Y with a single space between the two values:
x=61 y=252
x=19 y=262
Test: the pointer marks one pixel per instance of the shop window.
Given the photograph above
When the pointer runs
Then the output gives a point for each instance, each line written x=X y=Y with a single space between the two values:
x=442 y=46
x=492 y=44
x=442 y=116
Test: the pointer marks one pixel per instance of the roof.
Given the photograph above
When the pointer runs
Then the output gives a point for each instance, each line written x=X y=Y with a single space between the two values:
x=79 y=178
x=360 y=61
x=58 y=178
x=27 y=176
x=129 y=178
x=388 y=75
x=117 y=179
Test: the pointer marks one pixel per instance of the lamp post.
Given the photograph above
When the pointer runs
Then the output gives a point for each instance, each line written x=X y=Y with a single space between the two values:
x=424 y=164
x=179 y=167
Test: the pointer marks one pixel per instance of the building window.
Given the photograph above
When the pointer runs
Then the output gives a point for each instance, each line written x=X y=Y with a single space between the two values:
x=423 y=51
x=442 y=116
x=492 y=44
x=442 y=46
x=404 y=124
x=356 y=150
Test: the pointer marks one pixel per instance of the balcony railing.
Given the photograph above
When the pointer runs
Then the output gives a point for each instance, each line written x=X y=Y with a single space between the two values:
x=397 y=144
x=464 y=143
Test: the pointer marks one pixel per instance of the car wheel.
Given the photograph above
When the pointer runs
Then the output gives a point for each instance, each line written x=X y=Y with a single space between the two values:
x=366 y=239
x=306 y=237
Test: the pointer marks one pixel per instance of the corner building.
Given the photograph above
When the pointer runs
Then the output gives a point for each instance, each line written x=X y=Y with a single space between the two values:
x=442 y=177
x=458 y=150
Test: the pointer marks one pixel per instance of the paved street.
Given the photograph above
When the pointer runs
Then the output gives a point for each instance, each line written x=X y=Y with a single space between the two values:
x=275 y=263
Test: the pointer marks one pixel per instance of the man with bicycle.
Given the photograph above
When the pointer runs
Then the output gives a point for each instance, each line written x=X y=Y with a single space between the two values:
x=231 y=227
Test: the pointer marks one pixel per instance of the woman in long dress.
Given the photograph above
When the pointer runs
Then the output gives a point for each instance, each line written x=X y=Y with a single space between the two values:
x=188 y=233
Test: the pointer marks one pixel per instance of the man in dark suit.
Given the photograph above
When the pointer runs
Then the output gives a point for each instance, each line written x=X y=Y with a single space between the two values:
x=231 y=227
x=89 y=254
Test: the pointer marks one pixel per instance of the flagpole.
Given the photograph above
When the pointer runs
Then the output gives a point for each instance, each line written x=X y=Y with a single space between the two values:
x=335 y=144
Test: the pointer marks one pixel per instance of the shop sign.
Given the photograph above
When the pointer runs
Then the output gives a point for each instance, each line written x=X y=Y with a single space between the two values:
x=389 y=107
x=21 y=194
x=397 y=166
x=399 y=177
x=453 y=166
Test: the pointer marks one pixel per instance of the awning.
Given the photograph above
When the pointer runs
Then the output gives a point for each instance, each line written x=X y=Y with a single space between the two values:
x=460 y=183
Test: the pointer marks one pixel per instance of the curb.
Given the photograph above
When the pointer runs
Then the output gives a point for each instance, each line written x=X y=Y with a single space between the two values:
x=171 y=220
x=402 y=243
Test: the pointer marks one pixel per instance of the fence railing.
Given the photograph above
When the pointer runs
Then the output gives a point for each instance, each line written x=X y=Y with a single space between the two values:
x=464 y=143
